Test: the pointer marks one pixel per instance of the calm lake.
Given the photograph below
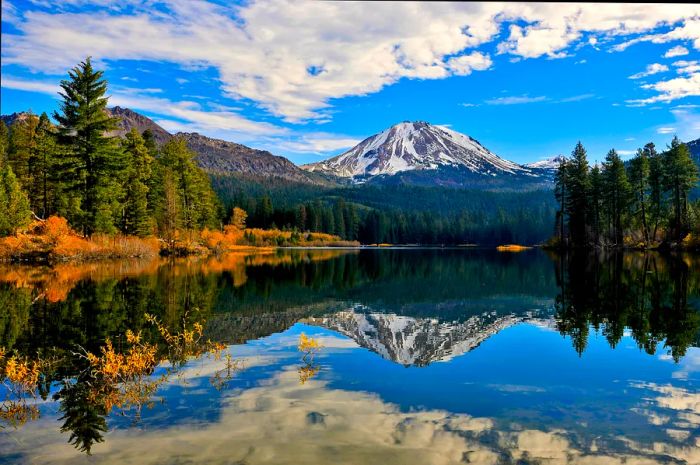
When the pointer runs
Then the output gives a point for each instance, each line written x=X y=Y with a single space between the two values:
x=426 y=356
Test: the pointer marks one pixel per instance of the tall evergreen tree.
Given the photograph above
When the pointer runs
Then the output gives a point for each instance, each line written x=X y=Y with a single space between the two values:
x=561 y=192
x=681 y=175
x=596 y=201
x=639 y=180
x=196 y=203
x=22 y=146
x=45 y=189
x=577 y=198
x=136 y=219
x=4 y=141
x=96 y=159
x=656 y=196
x=14 y=204
x=617 y=195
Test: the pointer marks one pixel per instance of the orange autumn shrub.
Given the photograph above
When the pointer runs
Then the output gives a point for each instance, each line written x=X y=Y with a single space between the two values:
x=54 y=239
x=20 y=378
x=55 y=228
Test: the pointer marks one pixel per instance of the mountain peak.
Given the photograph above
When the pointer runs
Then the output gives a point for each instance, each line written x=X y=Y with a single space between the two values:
x=550 y=163
x=416 y=145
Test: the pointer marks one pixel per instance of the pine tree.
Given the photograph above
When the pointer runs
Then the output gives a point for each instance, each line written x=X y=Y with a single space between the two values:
x=596 y=201
x=639 y=179
x=265 y=211
x=22 y=145
x=300 y=218
x=617 y=194
x=136 y=219
x=44 y=189
x=656 y=197
x=561 y=193
x=577 y=198
x=149 y=141
x=197 y=205
x=14 y=204
x=339 y=219
x=681 y=175
x=96 y=160
x=169 y=218
x=4 y=142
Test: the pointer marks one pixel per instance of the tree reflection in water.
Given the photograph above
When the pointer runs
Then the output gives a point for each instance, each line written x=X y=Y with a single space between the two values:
x=645 y=293
x=52 y=314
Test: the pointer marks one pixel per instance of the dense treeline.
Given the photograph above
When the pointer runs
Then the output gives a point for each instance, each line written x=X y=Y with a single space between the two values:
x=100 y=183
x=643 y=203
x=395 y=214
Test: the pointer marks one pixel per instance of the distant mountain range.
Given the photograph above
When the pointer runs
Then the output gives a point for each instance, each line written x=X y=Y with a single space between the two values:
x=416 y=153
x=421 y=153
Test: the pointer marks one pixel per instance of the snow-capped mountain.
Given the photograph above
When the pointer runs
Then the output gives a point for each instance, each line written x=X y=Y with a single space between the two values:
x=415 y=341
x=551 y=163
x=417 y=145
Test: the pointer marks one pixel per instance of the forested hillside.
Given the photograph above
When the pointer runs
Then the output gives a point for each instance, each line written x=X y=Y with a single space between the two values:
x=398 y=214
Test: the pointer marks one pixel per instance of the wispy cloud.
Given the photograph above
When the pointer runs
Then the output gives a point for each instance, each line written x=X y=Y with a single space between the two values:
x=516 y=100
x=651 y=69
x=523 y=99
x=665 y=130
x=576 y=98
x=672 y=89
x=676 y=51
x=17 y=83
x=686 y=67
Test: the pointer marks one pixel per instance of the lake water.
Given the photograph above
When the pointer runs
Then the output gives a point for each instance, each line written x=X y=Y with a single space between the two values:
x=427 y=357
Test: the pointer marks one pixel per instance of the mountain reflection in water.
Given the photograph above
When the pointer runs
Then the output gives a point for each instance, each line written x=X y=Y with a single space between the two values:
x=377 y=312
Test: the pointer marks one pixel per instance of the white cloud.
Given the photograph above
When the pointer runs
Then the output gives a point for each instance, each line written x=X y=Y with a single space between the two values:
x=676 y=51
x=689 y=30
x=651 y=69
x=463 y=65
x=665 y=130
x=673 y=89
x=264 y=51
x=687 y=67
x=44 y=87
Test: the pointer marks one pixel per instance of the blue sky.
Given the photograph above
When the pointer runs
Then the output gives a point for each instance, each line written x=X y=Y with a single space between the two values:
x=309 y=80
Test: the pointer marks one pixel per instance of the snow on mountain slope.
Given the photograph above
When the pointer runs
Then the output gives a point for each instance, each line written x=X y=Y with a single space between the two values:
x=551 y=163
x=414 y=341
x=417 y=146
